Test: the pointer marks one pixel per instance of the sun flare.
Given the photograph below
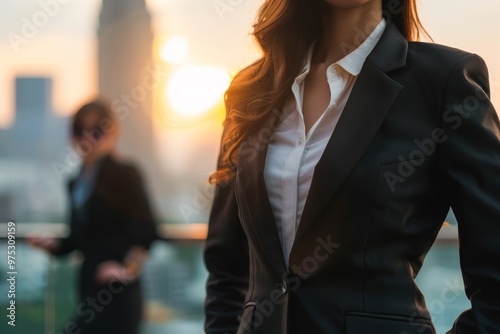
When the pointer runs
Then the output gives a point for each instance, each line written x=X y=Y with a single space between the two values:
x=194 y=90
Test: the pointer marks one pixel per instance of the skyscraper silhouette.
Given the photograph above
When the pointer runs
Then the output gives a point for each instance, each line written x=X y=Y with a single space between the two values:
x=129 y=78
x=35 y=122
x=126 y=74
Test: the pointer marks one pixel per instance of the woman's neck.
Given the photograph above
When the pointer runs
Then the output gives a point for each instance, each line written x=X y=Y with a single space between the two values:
x=344 y=29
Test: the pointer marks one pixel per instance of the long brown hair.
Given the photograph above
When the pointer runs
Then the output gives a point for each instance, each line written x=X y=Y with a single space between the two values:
x=284 y=31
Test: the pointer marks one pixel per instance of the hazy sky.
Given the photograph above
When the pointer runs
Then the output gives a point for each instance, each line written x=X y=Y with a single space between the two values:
x=64 y=45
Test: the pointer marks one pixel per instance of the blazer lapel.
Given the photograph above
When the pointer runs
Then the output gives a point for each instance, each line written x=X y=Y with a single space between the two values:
x=371 y=98
x=251 y=187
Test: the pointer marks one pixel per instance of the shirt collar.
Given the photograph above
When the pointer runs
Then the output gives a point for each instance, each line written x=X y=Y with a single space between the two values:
x=353 y=62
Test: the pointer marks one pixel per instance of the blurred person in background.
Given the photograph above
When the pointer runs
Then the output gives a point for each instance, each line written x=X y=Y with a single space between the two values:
x=344 y=147
x=112 y=225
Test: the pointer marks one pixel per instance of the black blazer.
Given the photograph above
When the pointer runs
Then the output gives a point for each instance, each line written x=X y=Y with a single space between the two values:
x=115 y=217
x=417 y=136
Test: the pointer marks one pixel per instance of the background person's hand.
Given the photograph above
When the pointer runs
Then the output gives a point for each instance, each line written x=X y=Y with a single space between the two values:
x=113 y=270
x=46 y=244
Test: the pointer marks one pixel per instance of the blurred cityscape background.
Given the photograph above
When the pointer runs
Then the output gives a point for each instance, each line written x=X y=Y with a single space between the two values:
x=164 y=65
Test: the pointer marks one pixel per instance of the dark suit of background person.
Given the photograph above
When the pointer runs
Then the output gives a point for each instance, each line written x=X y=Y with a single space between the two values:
x=370 y=219
x=115 y=217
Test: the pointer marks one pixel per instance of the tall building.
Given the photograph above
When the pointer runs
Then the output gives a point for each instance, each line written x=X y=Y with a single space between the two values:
x=35 y=122
x=33 y=99
x=128 y=78
x=30 y=189
x=33 y=107
x=125 y=73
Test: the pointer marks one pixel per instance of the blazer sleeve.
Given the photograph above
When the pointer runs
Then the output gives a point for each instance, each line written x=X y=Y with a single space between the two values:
x=67 y=244
x=470 y=155
x=226 y=258
x=141 y=219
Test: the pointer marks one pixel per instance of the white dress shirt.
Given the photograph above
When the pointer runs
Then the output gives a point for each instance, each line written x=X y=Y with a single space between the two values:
x=292 y=155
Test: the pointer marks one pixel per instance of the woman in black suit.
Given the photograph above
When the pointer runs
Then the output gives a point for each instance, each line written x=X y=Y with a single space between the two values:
x=111 y=224
x=344 y=147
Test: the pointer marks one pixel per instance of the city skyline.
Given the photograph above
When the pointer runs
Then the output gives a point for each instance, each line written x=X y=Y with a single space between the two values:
x=64 y=47
x=69 y=54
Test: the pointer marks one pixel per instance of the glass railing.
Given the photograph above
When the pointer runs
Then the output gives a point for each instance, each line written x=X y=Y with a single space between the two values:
x=173 y=283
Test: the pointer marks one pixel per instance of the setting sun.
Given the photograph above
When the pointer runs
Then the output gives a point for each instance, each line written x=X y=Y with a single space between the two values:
x=194 y=90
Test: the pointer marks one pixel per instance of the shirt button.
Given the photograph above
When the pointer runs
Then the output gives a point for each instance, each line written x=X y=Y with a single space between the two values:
x=284 y=287
x=301 y=140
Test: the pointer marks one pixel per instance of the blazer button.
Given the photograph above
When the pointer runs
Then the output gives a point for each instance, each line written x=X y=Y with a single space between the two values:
x=284 y=287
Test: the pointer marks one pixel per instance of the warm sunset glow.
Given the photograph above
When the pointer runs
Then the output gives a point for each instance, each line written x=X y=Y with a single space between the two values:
x=175 y=50
x=194 y=90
